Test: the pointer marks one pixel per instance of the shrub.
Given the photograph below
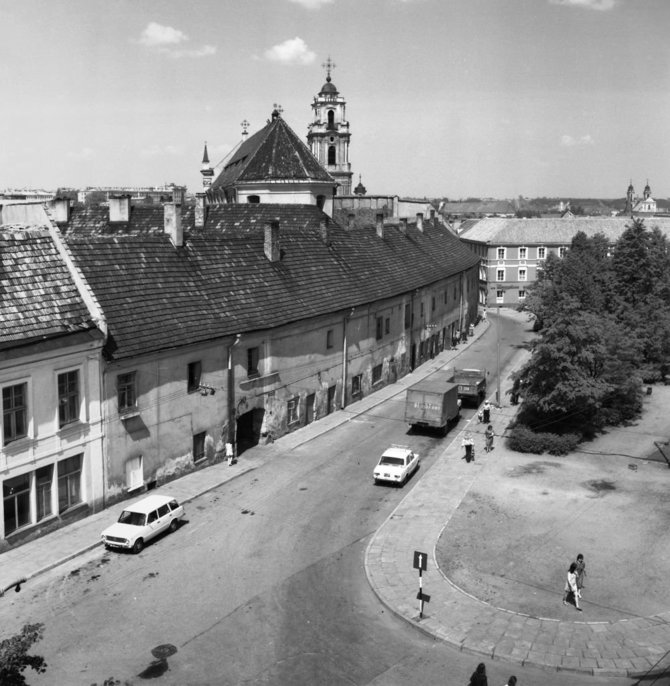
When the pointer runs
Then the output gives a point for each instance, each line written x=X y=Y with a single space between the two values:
x=523 y=439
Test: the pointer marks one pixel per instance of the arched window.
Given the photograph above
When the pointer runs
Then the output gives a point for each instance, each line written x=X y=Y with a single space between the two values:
x=320 y=201
x=253 y=199
x=331 y=155
x=331 y=119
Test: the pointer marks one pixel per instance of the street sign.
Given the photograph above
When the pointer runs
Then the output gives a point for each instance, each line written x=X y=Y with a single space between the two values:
x=420 y=560
x=423 y=597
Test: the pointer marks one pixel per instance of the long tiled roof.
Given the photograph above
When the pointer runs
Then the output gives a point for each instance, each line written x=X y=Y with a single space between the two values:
x=275 y=153
x=155 y=296
x=553 y=230
x=38 y=297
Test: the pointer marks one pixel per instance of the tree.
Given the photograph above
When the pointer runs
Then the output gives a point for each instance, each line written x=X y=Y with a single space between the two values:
x=14 y=658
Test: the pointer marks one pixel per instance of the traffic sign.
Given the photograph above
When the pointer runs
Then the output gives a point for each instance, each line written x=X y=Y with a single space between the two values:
x=420 y=560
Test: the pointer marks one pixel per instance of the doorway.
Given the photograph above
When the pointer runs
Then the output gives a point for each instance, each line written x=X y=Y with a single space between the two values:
x=249 y=429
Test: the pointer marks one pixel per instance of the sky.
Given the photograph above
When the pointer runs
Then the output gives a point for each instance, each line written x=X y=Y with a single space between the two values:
x=445 y=98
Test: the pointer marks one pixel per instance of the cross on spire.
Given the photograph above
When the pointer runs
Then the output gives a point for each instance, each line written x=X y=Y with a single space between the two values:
x=245 y=125
x=328 y=65
x=278 y=108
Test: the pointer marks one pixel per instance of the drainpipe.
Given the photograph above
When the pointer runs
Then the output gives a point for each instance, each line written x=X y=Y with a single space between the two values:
x=231 y=392
x=345 y=358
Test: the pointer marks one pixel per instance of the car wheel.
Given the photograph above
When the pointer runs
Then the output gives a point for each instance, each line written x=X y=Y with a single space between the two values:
x=173 y=525
x=138 y=545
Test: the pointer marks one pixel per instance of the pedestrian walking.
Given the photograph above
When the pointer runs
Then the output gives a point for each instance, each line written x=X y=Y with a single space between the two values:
x=489 y=434
x=487 y=412
x=478 y=677
x=469 y=444
x=571 y=590
x=480 y=415
x=581 y=572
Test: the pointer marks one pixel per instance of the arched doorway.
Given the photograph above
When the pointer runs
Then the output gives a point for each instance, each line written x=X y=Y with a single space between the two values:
x=249 y=429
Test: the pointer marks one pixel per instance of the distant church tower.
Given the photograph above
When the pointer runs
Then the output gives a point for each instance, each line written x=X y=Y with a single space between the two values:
x=206 y=170
x=647 y=191
x=328 y=135
x=631 y=198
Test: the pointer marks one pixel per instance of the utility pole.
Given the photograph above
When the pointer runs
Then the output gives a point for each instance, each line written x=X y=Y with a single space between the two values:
x=498 y=356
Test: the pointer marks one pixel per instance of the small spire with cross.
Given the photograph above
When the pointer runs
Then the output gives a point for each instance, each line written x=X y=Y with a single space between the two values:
x=245 y=126
x=328 y=65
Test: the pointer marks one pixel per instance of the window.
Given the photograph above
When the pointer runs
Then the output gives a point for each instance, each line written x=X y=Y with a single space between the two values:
x=376 y=374
x=44 y=480
x=379 y=334
x=329 y=338
x=292 y=410
x=199 y=446
x=14 y=412
x=68 y=397
x=541 y=253
x=126 y=393
x=320 y=201
x=445 y=297
x=561 y=251
x=331 y=155
x=331 y=120
x=253 y=199
x=522 y=273
x=432 y=304
x=522 y=294
x=500 y=274
x=153 y=516
x=407 y=316
x=501 y=253
x=16 y=502
x=422 y=310
x=163 y=510
x=522 y=253
x=500 y=295
x=356 y=385
x=387 y=325
x=194 y=372
x=134 y=473
x=69 y=483
x=252 y=362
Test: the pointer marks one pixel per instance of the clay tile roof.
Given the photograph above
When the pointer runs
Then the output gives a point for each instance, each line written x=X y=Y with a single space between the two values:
x=39 y=297
x=156 y=296
x=274 y=153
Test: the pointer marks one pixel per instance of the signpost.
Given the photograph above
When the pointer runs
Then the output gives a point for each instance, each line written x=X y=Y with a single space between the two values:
x=421 y=563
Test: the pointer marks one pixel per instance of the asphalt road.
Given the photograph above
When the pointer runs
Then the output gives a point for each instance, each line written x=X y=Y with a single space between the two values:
x=265 y=583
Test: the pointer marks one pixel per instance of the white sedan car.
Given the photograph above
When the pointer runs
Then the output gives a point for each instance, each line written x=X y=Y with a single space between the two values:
x=142 y=521
x=396 y=465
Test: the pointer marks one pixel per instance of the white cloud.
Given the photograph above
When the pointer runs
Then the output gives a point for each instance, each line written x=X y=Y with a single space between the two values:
x=602 y=5
x=165 y=39
x=312 y=4
x=292 y=51
x=568 y=141
x=157 y=36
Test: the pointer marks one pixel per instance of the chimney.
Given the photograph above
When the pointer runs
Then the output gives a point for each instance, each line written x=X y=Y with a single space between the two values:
x=324 y=228
x=419 y=221
x=119 y=208
x=403 y=225
x=351 y=222
x=271 y=244
x=200 y=210
x=172 y=223
x=380 y=225
x=432 y=219
x=61 y=210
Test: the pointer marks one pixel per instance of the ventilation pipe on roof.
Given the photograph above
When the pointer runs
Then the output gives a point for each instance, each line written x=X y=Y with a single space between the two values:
x=200 y=210
x=403 y=225
x=380 y=225
x=271 y=244
x=119 y=208
x=61 y=210
x=419 y=221
x=172 y=223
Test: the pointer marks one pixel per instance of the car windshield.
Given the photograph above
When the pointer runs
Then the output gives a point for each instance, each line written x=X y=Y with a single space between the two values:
x=132 y=518
x=392 y=460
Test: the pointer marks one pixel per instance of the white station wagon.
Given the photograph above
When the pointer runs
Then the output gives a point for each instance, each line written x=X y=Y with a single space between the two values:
x=142 y=521
x=396 y=465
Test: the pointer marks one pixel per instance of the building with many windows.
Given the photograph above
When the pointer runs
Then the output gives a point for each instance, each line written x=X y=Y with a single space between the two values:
x=513 y=250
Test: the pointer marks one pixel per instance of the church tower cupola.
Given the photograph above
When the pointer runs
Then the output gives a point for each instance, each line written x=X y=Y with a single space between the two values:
x=328 y=135
x=647 y=191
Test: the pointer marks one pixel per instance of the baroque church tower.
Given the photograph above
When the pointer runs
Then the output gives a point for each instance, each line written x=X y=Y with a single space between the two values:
x=328 y=134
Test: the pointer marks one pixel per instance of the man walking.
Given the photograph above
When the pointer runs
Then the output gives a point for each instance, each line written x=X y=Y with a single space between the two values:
x=487 y=412
x=489 y=434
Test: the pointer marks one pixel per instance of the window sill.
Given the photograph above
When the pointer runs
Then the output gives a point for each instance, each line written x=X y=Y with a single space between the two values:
x=129 y=414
